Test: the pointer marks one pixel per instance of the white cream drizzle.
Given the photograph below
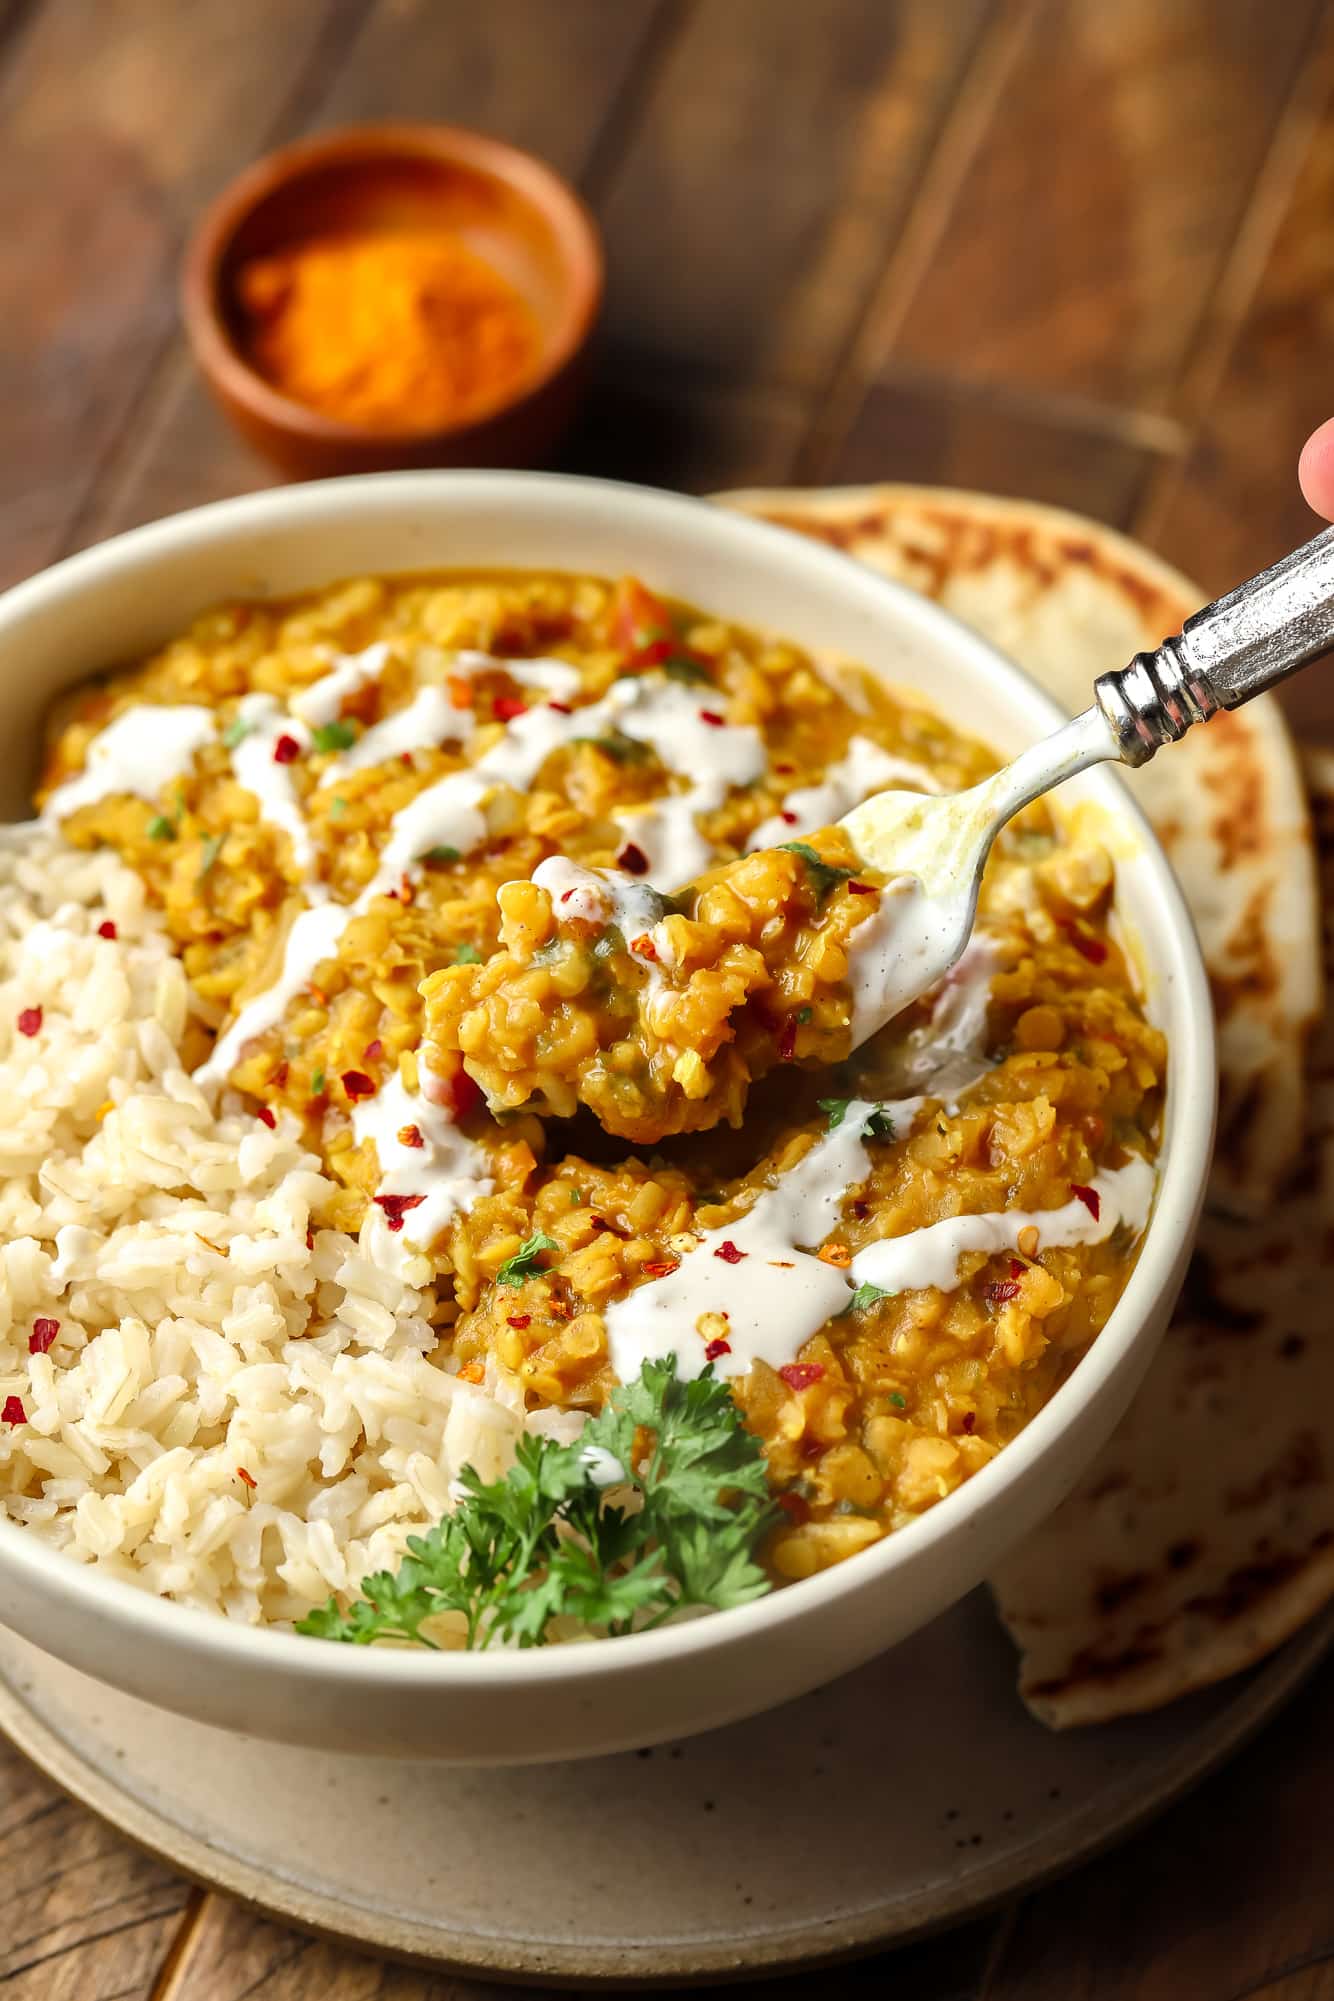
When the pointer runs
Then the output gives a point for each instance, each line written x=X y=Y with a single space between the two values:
x=313 y=937
x=897 y=954
x=449 y=1171
x=429 y=718
x=606 y=896
x=140 y=752
x=322 y=702
x=863 y=769
x=255 y=766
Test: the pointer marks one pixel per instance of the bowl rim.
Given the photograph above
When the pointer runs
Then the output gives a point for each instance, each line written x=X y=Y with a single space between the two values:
x=540 y=185
x=1182 y=1162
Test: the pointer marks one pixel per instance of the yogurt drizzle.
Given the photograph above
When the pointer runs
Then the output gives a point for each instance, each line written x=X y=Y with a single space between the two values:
x=863 y=769
x=140 y=752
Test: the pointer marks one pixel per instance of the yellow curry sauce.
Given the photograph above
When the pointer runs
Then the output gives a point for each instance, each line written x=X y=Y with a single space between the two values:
x=358 y=773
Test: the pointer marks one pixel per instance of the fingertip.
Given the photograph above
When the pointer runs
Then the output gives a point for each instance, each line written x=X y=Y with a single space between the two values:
x=1315 y=470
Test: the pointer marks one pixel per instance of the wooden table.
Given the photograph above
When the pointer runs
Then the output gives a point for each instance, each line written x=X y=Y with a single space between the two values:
x=1065 y=248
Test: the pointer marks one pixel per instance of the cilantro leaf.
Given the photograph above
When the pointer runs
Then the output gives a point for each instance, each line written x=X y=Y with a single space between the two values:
x=835 y=1109
x=237 y=730
x=442 y=853
x=467 y=955
x=211 y=850
x=160 y=828
x=825 y=876
x=688 y=667
x=546 y=1542
x=879 y=1125
x=333 y=736
x=864 y=1296
x=619 y=748
x=524 y=1263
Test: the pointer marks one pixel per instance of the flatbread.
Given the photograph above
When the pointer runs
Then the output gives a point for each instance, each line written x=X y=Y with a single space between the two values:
x=1203 y=1534
x=1069 y=599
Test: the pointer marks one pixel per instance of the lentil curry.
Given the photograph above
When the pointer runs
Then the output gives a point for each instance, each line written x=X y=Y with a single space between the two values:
x=898 y=1254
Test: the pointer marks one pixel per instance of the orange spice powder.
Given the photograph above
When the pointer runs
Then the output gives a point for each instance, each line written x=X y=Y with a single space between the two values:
x=402 y=332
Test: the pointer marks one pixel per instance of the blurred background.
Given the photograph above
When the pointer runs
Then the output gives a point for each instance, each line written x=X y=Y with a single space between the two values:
x=1047 y=247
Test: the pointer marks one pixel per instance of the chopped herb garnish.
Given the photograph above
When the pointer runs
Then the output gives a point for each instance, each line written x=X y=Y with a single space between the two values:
x=825 y=876
x=879 y=1125
x=542 y=1543
x=467 y=955
x=237 y=730
x=864 y=1296
x=620 y=749
x=317 y=1083
x=211 y=850
x=442 y=853
x=899 y=1403
x=576 y=1197
x=835 y=1110
x=334 y=736
x=687 y=667
x=524 y=1262
x=805 y=1015
x=160 y=828
x=339 y=807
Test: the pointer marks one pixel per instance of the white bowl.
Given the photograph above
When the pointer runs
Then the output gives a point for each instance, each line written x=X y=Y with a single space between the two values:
x=113 y=602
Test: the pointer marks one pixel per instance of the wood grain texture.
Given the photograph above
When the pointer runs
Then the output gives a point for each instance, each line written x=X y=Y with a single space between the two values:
x=83 y=1916
x=110 y=180
x=1088 y=235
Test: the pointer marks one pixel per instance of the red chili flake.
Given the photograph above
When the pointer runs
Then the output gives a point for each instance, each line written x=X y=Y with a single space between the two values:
x=969 y=1420
x=566 y=894
x=1005 y=1288
x=106 y=929
x=632 y=859
x=249 y=1478
x=788 y=819
x=712 y=717
x=286 y=749
x=861 y=889
x=506 y=707
x=373 y=1050
x=795 y=1508
x=561 y=708
x=12 y=1411
x=787 y=1040
x=800 y=1375
x=653 y=654
x=396 y=1208
x=519 y=1320
x=717 y=1348
x=1089 y=1197
x=785 y=770
x=310 y=1240
x=357 y=1084
x=660 y=1267
x=266 y=1118
x=30 y=1021
x=43 y=1334
x=1017 y=1267
x=644 y=946
x=462 y=1094
x=410 y=1136
x=729 y=1253
x=279 y=1076
x=1091 y=948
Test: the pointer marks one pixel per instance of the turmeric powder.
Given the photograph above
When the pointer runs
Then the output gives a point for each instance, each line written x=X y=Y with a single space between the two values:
x=389 y=331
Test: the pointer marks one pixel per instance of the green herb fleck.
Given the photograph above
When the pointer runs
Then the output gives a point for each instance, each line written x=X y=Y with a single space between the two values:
x=825 y=876
x=805 y=1015
x=879 y=1126
x=237 y=730
x=524 y=1262
x=864 y=1296
x=544 y=1543
x=317 y=1083
x=576 y=1197
x=338 y=808
x=211 y=851
x=835 y=1109
x=467 y=955
x=160 y=828
x=899 y=1403
x=334 y=736
x=442 y=853
x=687 y=667
x=619 y=748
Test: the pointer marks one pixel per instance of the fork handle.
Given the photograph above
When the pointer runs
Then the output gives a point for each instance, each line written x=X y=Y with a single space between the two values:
x=1235 y=648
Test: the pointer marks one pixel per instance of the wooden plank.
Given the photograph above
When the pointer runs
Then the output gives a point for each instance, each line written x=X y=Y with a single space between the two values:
x=110 y=179
x=1233 y=503
x=1094 y=221
x=83 y=1916
x=772 y=165
x=546 y=79
x=1218 y=1898
x=944 y=434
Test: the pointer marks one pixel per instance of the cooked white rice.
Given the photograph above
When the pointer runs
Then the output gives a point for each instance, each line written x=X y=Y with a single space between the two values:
x=203 y=1331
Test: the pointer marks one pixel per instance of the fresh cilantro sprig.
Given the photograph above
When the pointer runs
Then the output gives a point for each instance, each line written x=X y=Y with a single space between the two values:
x=333 y=736
x=524 y=1263
x=825 y=876
x=879 y=1124
x=544 y=1542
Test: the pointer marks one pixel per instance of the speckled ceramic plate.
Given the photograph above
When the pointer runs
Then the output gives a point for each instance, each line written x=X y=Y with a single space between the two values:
x=689 y=1858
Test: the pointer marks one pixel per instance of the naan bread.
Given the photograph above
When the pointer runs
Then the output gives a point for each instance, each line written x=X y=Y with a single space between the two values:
x=1069 y=599
x=1203 y=1534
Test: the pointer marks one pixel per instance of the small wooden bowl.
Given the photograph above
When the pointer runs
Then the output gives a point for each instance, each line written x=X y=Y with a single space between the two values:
x=505 y=204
